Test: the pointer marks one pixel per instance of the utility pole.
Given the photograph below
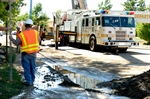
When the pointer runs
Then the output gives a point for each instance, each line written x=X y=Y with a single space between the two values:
x=10 y=26
x=30 y=9
x=10 y=50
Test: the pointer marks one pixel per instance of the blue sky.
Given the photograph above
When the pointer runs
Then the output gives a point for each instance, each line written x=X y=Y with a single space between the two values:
x=50 y=6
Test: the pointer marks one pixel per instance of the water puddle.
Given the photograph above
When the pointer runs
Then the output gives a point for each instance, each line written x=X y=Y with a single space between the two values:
x=82 y=80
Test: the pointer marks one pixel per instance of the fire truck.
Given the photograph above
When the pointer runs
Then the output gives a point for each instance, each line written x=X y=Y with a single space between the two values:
x=111 y=29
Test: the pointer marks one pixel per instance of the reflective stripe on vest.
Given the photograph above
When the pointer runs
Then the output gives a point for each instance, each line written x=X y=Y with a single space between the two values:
x=29 y=48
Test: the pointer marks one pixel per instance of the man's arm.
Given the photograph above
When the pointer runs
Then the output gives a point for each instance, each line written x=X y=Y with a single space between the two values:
x=3 y=28
x=16 y=42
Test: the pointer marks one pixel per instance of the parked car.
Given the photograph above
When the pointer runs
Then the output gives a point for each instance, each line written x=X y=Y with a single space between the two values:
x=13 y=32
x=1 y=33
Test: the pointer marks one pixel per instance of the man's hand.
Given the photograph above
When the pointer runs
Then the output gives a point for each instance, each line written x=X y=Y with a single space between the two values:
x=10 y=37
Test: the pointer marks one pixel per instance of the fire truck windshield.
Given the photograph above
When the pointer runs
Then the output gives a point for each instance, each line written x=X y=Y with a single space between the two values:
x=114 y=21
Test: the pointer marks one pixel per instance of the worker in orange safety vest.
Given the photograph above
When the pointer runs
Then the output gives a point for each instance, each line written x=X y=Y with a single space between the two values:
x=29 y=42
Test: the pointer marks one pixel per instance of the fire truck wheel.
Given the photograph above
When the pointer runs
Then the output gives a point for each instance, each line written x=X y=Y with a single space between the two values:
x=92 y=43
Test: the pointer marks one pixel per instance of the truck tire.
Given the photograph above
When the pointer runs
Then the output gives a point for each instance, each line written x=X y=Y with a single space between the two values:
x=64 y=41
x=92 y=43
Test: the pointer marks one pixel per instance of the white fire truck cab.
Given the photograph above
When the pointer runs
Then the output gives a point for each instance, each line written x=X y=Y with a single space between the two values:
x=112 y=29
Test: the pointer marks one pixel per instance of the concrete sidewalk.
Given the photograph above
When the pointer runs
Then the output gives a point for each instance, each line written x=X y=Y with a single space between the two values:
x=17 y=64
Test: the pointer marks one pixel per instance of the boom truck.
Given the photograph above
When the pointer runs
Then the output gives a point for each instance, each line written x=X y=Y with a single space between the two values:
x=114 y=30
x=108 y=29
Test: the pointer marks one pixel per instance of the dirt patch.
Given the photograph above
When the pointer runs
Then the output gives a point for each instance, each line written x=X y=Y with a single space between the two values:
x=136 y=87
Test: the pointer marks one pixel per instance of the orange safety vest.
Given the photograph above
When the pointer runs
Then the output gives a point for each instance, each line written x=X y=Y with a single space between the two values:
x=30 y=43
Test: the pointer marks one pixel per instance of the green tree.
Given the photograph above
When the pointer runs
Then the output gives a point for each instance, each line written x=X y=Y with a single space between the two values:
x=141 y=6
x=106 y=5
x=22 y=17
x=143 y=31
x=39 y=17
x=134 y=5
x=4 y=10
x=130 y=5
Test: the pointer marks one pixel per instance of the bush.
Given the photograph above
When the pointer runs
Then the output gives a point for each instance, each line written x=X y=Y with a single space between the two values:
x=143 y=31
x=9 y=88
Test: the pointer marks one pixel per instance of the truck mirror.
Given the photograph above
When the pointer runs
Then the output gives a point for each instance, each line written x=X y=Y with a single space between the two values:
x=135 y=24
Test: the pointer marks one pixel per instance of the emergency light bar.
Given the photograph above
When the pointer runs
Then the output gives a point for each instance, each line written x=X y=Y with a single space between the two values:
x=129 y=13
x=126 y=13
x=104 y=11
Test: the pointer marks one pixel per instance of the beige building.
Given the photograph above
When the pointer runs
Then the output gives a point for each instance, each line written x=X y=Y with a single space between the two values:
x=50 y=26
